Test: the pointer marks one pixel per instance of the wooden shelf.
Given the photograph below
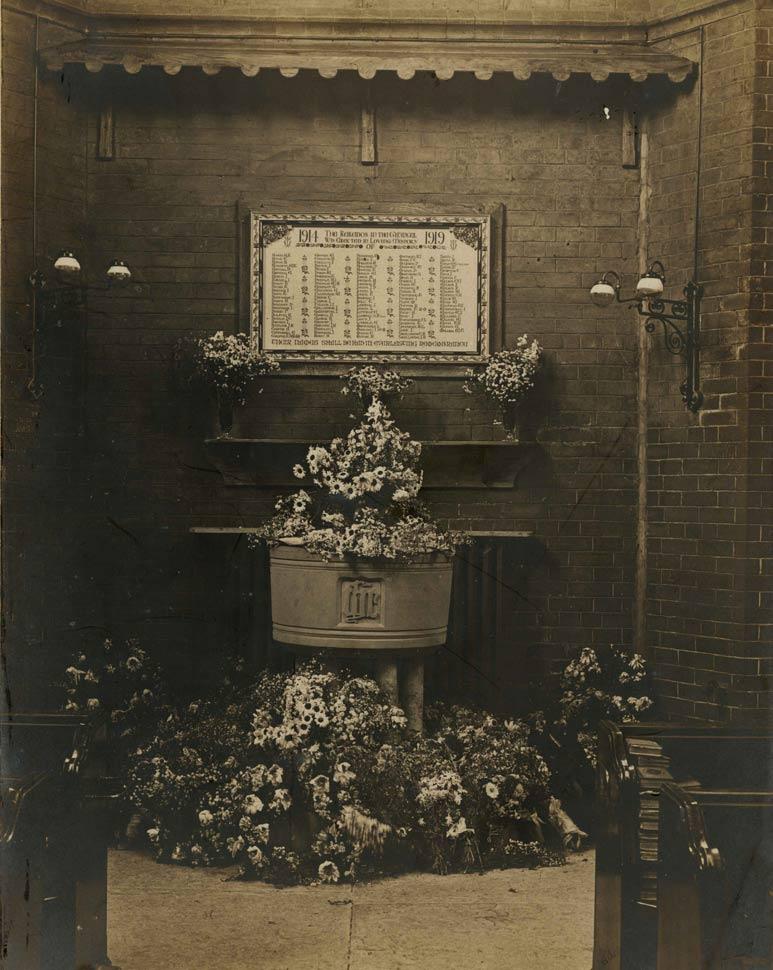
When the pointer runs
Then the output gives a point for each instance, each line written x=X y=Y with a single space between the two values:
x=268 y=462
x=238 y=530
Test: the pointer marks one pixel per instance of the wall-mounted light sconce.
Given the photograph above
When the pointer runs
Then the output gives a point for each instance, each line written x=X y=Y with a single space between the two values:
x=680 y=319
x=64 y=294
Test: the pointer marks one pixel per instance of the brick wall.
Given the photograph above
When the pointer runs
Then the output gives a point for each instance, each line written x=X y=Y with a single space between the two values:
x=39 y=437
x=106 y=474
x=188 y=149
x=707 y=501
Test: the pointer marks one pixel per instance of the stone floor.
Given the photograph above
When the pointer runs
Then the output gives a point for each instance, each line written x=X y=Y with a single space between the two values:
x=170 y=918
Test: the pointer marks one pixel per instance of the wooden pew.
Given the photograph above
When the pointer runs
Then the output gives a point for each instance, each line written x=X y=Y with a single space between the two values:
x=715 y=878
x=634 y=761
x=54 y=832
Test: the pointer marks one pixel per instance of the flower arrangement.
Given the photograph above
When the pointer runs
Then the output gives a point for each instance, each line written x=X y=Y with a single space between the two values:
x=604 y=685
x=507 y=376
x=220 y=783
x=596 y=685
x=118 y=683
x=365 y=503
x=370 y=383
x=230 y=363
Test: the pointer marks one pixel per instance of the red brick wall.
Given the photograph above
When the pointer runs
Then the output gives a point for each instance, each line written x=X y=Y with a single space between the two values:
x=706 y=487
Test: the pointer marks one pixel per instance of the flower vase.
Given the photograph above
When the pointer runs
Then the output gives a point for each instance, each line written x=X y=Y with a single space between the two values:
x=225 y=414
x=510 y=422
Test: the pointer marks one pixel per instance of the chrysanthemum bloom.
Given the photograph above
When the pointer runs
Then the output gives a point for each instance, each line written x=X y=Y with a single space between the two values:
x=206 y=817
x=253 y=805
x=281 y=800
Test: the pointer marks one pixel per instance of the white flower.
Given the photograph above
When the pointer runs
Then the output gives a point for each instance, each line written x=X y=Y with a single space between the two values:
x=206 y=817
x=457 y=829
x=397 y=717
x=299 y=471
x=254 y=854
x=178 y=853
x=153 y=834
x=281 y=800
x=262 y=832
x=252 y=805
x=328 y=872
x=92 y=703
x=491 y=790
x=275 y=774
x=343 y=774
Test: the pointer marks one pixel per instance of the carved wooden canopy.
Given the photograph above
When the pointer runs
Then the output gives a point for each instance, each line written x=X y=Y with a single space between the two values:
x=212 y=49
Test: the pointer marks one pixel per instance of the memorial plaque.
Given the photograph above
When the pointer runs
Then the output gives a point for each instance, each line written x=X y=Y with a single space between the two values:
x=352 y=288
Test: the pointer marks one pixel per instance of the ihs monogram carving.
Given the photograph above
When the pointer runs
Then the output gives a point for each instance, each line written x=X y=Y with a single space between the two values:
x=362 y=601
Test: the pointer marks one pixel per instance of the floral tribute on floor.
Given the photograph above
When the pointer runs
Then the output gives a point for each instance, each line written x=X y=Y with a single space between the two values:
x=317 y=776
x=310 y=776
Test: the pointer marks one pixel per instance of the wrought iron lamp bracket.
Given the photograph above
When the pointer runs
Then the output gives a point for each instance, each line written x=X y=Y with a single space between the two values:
x=680 y=320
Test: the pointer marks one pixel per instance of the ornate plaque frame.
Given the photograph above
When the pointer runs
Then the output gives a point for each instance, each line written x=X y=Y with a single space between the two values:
x=468 y=223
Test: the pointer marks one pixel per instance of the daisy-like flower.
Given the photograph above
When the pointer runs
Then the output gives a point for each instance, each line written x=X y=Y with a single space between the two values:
x=491 y=790
x=299 y=471
x=328 y=872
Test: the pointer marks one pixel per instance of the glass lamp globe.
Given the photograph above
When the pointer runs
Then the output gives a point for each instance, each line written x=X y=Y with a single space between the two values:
x=118 y=272
x=602 y=293
x=67 y=264
x=649 y=285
